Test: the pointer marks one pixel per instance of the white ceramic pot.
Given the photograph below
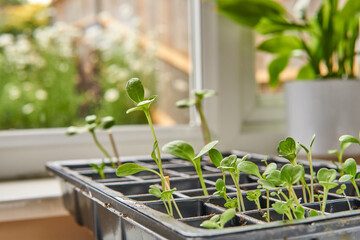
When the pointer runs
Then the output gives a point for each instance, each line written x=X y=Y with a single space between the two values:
x=327 y=108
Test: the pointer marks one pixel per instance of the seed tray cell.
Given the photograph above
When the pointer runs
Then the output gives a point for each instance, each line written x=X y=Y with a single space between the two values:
x=122 y=208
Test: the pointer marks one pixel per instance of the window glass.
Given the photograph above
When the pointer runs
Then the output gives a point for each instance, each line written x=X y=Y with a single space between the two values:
x=63 y=61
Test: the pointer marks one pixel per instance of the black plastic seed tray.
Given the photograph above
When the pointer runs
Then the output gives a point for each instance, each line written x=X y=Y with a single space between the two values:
x=122 y=208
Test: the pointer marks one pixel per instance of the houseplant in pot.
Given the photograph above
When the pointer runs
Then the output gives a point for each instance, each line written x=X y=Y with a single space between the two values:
x=326 y=99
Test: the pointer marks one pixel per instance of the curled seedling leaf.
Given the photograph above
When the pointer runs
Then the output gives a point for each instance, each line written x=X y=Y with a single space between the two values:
x=219 y=221
x=289 y=149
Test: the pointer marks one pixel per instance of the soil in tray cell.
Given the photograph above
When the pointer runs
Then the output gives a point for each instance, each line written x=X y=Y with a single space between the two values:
x=334 y=206
x=188 y=208
x=235 y=222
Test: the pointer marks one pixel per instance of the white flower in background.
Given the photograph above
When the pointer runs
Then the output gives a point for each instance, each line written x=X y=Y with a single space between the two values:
x=123 y=74
x=28 y=86
x=13 y=92
x=111 y=95
x=93 y=35
x=6 y=39
x=28 y=108
x=41 y=94
x=23 y=44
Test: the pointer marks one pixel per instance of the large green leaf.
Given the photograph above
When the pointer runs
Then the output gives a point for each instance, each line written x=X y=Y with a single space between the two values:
x=306 y=72
x=250 y=12
x=180 y=149
x=267 y=26
x=132 y=168
x=281 y=44
x=135 y=90
x=276 y=67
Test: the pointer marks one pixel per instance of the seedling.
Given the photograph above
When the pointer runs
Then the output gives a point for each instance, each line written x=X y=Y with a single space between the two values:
x=309 y=156
x=197 y=102
x=326 y=178
x=345 y=142
x=219 y=221
x=93 y=123
x=284 y=208
x=99 y=168
x=165 y=196
x=254 y=196
x=184 y=150
x=341 y=191
x=350 y=170
x=230 y=164
x=289 y=149
x=136 y=91
x=221 y=191
x=251 y=168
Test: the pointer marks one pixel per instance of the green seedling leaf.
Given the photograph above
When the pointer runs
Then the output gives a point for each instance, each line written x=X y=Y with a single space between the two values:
x=299 y=212
x=249 y=168
x=281 y=207
x=75 y=130
x=346 y=177
x=288 y=149
x=205 y=93
x=312 y=140
x=228 y=163
x=327 y=177
x=215 y=157
x=269 y=169
x=266 y=184
x=155 y=191
x=153 y=153
x=135 y=90
x=350 y=167
x=167 y=194
x=348 y=139
x=130 y=110
x=290 y=174
x=180 y=149
x=185 y=103
x=313 y=213
x=209 y=224
x=253 y=195
x=90 y=119
x=333 y=151
x=107 y=122
x=231 y=203
x=220 y=185
x=207 y=148
x=132 y=168
x=215 y=218
x=226 y=216
x=91 y=127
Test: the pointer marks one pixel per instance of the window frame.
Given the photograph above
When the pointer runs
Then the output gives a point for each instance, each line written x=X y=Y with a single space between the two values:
x=256 y=124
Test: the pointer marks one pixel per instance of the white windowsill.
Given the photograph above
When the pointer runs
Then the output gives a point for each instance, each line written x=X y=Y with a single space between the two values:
x=30 y=199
